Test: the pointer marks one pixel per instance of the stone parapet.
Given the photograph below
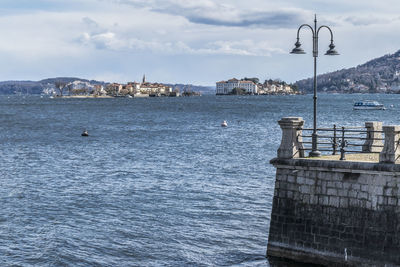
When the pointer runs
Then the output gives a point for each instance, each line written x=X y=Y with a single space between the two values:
x=391 y=149
x=336 y=213
x=373 y=142
x=333 y=212
x=338 y=165
x=291 y=143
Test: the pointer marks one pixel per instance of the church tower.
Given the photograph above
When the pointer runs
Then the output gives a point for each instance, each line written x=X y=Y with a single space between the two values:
x=144 y=78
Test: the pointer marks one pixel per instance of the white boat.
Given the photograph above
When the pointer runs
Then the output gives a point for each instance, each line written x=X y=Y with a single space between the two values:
x=224 y=124
x=368 y=105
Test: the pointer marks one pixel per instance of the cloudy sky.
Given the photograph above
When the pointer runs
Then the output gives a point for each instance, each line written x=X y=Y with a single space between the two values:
x=188 y=41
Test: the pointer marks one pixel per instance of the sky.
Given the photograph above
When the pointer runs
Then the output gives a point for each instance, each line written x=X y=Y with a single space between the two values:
x=188 y=41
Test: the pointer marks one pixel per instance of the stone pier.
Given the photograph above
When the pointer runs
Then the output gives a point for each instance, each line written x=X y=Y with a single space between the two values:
x=336 y=213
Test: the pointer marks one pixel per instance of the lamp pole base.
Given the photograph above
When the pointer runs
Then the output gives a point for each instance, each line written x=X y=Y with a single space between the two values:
x=314 y=152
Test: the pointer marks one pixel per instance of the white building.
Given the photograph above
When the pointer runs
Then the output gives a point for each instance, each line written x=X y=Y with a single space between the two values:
x=226 y=87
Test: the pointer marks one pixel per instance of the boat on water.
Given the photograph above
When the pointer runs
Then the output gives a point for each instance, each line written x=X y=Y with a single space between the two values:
x=368 y=105
x=85 y=133
x=224 y=124
x=155 y=95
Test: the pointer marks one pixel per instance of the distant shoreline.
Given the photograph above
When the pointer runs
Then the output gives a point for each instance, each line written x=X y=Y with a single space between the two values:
x=83 y=96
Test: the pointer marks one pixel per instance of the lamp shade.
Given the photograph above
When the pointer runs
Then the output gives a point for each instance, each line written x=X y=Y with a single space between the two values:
x=331 y=51
x=297 y=49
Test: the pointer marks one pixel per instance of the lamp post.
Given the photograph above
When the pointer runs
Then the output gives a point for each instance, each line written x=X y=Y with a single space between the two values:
x=331 y=52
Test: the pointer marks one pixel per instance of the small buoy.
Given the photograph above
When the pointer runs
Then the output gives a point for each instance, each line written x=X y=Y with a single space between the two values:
x=85 y=133
x=224 y=124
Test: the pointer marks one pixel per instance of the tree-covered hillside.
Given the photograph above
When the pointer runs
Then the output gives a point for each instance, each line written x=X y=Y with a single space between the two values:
x=36 y=87
x=380 y=75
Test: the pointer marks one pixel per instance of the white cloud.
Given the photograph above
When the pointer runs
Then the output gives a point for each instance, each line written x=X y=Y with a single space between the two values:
x=109 y=40
x=162 y=42
x=222 y=14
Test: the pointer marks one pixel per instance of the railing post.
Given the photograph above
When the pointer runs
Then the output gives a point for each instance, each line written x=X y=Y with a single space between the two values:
x=391 y=149
x=343 y=144
x=373 y=142
x=334 y=141
x=292 y=141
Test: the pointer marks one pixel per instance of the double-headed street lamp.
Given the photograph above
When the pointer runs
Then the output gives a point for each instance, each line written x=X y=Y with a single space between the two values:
x=331 y=52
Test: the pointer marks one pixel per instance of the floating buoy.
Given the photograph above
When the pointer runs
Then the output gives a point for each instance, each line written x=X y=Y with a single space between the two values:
x=85 y=133
x=224 y=124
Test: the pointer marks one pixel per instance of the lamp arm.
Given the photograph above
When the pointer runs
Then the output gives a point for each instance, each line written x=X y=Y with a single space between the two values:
x=305 y=25
x=324 y=26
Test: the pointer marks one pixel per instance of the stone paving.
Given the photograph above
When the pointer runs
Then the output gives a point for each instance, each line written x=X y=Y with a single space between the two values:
x=360 y=157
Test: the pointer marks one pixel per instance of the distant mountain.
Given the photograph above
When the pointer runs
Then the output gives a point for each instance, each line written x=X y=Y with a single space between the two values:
x=20 y=87
x=380 y=75
x=36 y=87
x=68 y=80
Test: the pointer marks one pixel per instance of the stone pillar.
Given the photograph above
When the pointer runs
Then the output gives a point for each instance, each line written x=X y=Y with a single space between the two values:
x=373 y=144
x=292 y=142
x=391 y=149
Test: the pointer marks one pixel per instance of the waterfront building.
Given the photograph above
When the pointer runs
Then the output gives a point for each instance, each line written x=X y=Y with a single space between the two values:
x=99 y=90
x=154 y=88
x=226 y=87
x=114 y=88
x=275 y=87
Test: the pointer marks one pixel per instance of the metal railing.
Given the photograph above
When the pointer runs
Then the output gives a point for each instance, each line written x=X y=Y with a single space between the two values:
x=344 y=139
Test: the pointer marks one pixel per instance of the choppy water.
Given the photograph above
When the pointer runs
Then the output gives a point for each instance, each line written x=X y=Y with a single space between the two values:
x=157 y=183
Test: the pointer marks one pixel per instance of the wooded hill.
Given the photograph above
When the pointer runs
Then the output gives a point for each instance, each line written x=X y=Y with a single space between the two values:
x=36 y=87
x=380 y=75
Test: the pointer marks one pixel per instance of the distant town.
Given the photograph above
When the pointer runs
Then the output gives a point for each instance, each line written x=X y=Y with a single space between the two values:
x=131 y=89
x=245 y=86
x=78 y=87
x=252 y=86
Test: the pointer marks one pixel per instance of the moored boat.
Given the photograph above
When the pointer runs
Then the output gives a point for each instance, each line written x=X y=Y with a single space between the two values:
x=368 y=105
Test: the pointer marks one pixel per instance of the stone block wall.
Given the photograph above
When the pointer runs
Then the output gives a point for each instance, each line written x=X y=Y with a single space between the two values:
x=336 y=213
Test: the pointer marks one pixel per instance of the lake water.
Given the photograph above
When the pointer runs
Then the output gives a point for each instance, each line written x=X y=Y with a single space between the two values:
x=157 y=183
